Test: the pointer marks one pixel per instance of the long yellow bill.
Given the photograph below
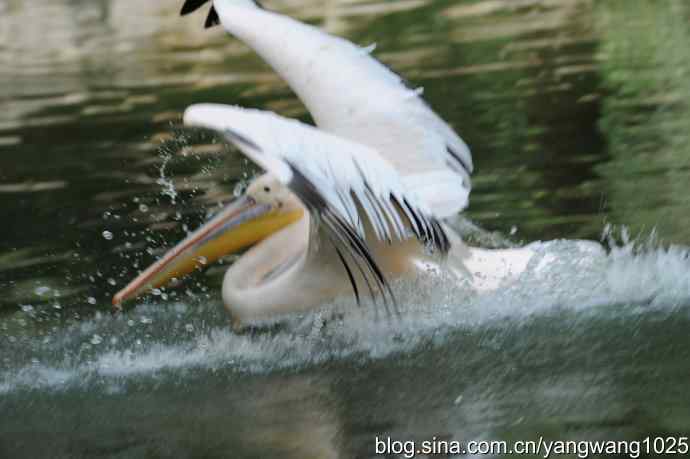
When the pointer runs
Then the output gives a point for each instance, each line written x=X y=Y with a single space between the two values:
x=241 y=224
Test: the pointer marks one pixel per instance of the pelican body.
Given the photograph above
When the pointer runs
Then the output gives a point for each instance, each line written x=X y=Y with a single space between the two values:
x=343 y=207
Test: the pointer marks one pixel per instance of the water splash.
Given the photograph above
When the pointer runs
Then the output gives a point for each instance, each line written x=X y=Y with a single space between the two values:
x=576 y=278
x=163 y=180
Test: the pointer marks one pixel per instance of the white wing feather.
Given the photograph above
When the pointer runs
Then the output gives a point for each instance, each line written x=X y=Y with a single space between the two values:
x=352 y=95
x=345 y=174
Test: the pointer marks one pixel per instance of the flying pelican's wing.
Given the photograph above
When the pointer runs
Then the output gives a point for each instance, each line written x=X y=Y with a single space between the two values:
x=336 y=179
x=351 y=94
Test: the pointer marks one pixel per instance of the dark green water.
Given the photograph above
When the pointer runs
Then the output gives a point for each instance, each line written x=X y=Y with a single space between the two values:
x=578 y=116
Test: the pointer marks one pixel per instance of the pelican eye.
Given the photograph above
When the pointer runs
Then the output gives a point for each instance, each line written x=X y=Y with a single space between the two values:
x=267 y=189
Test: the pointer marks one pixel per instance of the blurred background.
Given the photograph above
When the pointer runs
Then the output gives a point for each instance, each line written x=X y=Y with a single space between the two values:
x=578 y=116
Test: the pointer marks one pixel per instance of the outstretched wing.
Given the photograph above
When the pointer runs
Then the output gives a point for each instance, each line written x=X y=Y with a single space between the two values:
x=339 y=181
x=351 y=94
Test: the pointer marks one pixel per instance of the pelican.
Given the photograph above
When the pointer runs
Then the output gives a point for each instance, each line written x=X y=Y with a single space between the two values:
x=343 y=207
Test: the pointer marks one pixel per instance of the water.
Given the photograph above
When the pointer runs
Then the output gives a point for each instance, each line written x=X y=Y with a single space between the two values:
x=577 y=115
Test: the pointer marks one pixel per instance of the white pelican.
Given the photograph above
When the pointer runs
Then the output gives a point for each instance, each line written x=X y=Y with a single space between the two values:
x=341 y=208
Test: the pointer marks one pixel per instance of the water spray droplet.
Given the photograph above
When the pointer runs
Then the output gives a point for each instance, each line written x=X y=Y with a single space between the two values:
x=42 y=290
x=238 y=190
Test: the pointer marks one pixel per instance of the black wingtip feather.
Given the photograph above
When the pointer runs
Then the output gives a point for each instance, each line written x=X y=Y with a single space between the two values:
x=350 y=240
x=191 y=6
x=443 y=243
x=213 y=19
x=468 y=167
x=349 y=274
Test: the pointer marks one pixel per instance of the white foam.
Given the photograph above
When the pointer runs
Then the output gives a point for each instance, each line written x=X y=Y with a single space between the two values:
x=562 y=275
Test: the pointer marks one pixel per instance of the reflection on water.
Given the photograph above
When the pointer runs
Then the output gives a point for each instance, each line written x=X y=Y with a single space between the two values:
x=646 y=115
x=577 y=114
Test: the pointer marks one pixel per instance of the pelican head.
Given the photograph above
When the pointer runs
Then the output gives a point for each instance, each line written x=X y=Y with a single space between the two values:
x=262 y=212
